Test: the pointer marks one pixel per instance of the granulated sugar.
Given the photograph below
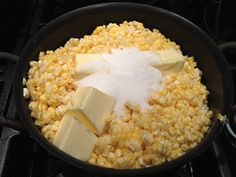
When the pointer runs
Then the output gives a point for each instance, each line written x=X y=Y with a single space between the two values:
x=127 y=75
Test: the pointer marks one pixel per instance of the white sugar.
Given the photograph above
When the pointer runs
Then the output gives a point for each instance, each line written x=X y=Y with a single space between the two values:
x=127 y=75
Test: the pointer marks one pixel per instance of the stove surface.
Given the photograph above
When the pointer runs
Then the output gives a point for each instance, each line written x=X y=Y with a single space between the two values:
x=21 y=156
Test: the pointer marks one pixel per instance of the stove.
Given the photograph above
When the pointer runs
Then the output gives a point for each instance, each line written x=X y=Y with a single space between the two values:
x=21 y=156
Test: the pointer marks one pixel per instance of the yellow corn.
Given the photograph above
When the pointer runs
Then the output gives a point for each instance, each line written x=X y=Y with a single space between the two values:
x=177 y=119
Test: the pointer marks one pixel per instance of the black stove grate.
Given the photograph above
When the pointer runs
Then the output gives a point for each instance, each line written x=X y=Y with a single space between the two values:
x=21 y=156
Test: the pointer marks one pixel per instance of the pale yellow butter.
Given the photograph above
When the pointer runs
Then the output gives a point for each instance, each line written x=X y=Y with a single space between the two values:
x=74 y=138
x=81 y=60
x=91 y=107
x=171 y=61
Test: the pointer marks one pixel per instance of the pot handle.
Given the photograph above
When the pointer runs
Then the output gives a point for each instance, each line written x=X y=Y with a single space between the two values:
x=223 y=47
x=5 y=84
x=228 y=126
x=11 y=123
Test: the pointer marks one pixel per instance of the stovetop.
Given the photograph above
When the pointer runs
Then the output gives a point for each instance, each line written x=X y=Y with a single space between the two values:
x=21 y=156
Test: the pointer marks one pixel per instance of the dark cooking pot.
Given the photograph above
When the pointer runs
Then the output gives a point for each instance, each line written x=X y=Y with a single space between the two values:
x=193 y=41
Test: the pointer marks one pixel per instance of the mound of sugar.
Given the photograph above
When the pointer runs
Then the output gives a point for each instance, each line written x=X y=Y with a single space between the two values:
x=127 y=75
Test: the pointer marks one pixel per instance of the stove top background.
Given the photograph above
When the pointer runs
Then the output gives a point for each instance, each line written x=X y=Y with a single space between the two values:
x=21 y=156
x=20 y=20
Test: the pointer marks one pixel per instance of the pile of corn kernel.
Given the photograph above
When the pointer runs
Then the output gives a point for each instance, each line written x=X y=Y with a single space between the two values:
x=176 y=121
x=50 y=83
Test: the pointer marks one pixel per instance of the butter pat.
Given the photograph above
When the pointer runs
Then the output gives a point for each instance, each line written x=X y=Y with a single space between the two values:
x=74 y=138
x=91 y=107
x=81 y=60
x=171 y=61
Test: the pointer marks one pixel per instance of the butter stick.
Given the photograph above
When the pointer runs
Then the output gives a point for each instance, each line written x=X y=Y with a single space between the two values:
x=171 y=61
x=82 y=60
x=74 y=138
x=91 y=107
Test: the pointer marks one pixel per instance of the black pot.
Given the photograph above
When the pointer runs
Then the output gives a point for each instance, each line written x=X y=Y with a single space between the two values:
x=193 y=41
